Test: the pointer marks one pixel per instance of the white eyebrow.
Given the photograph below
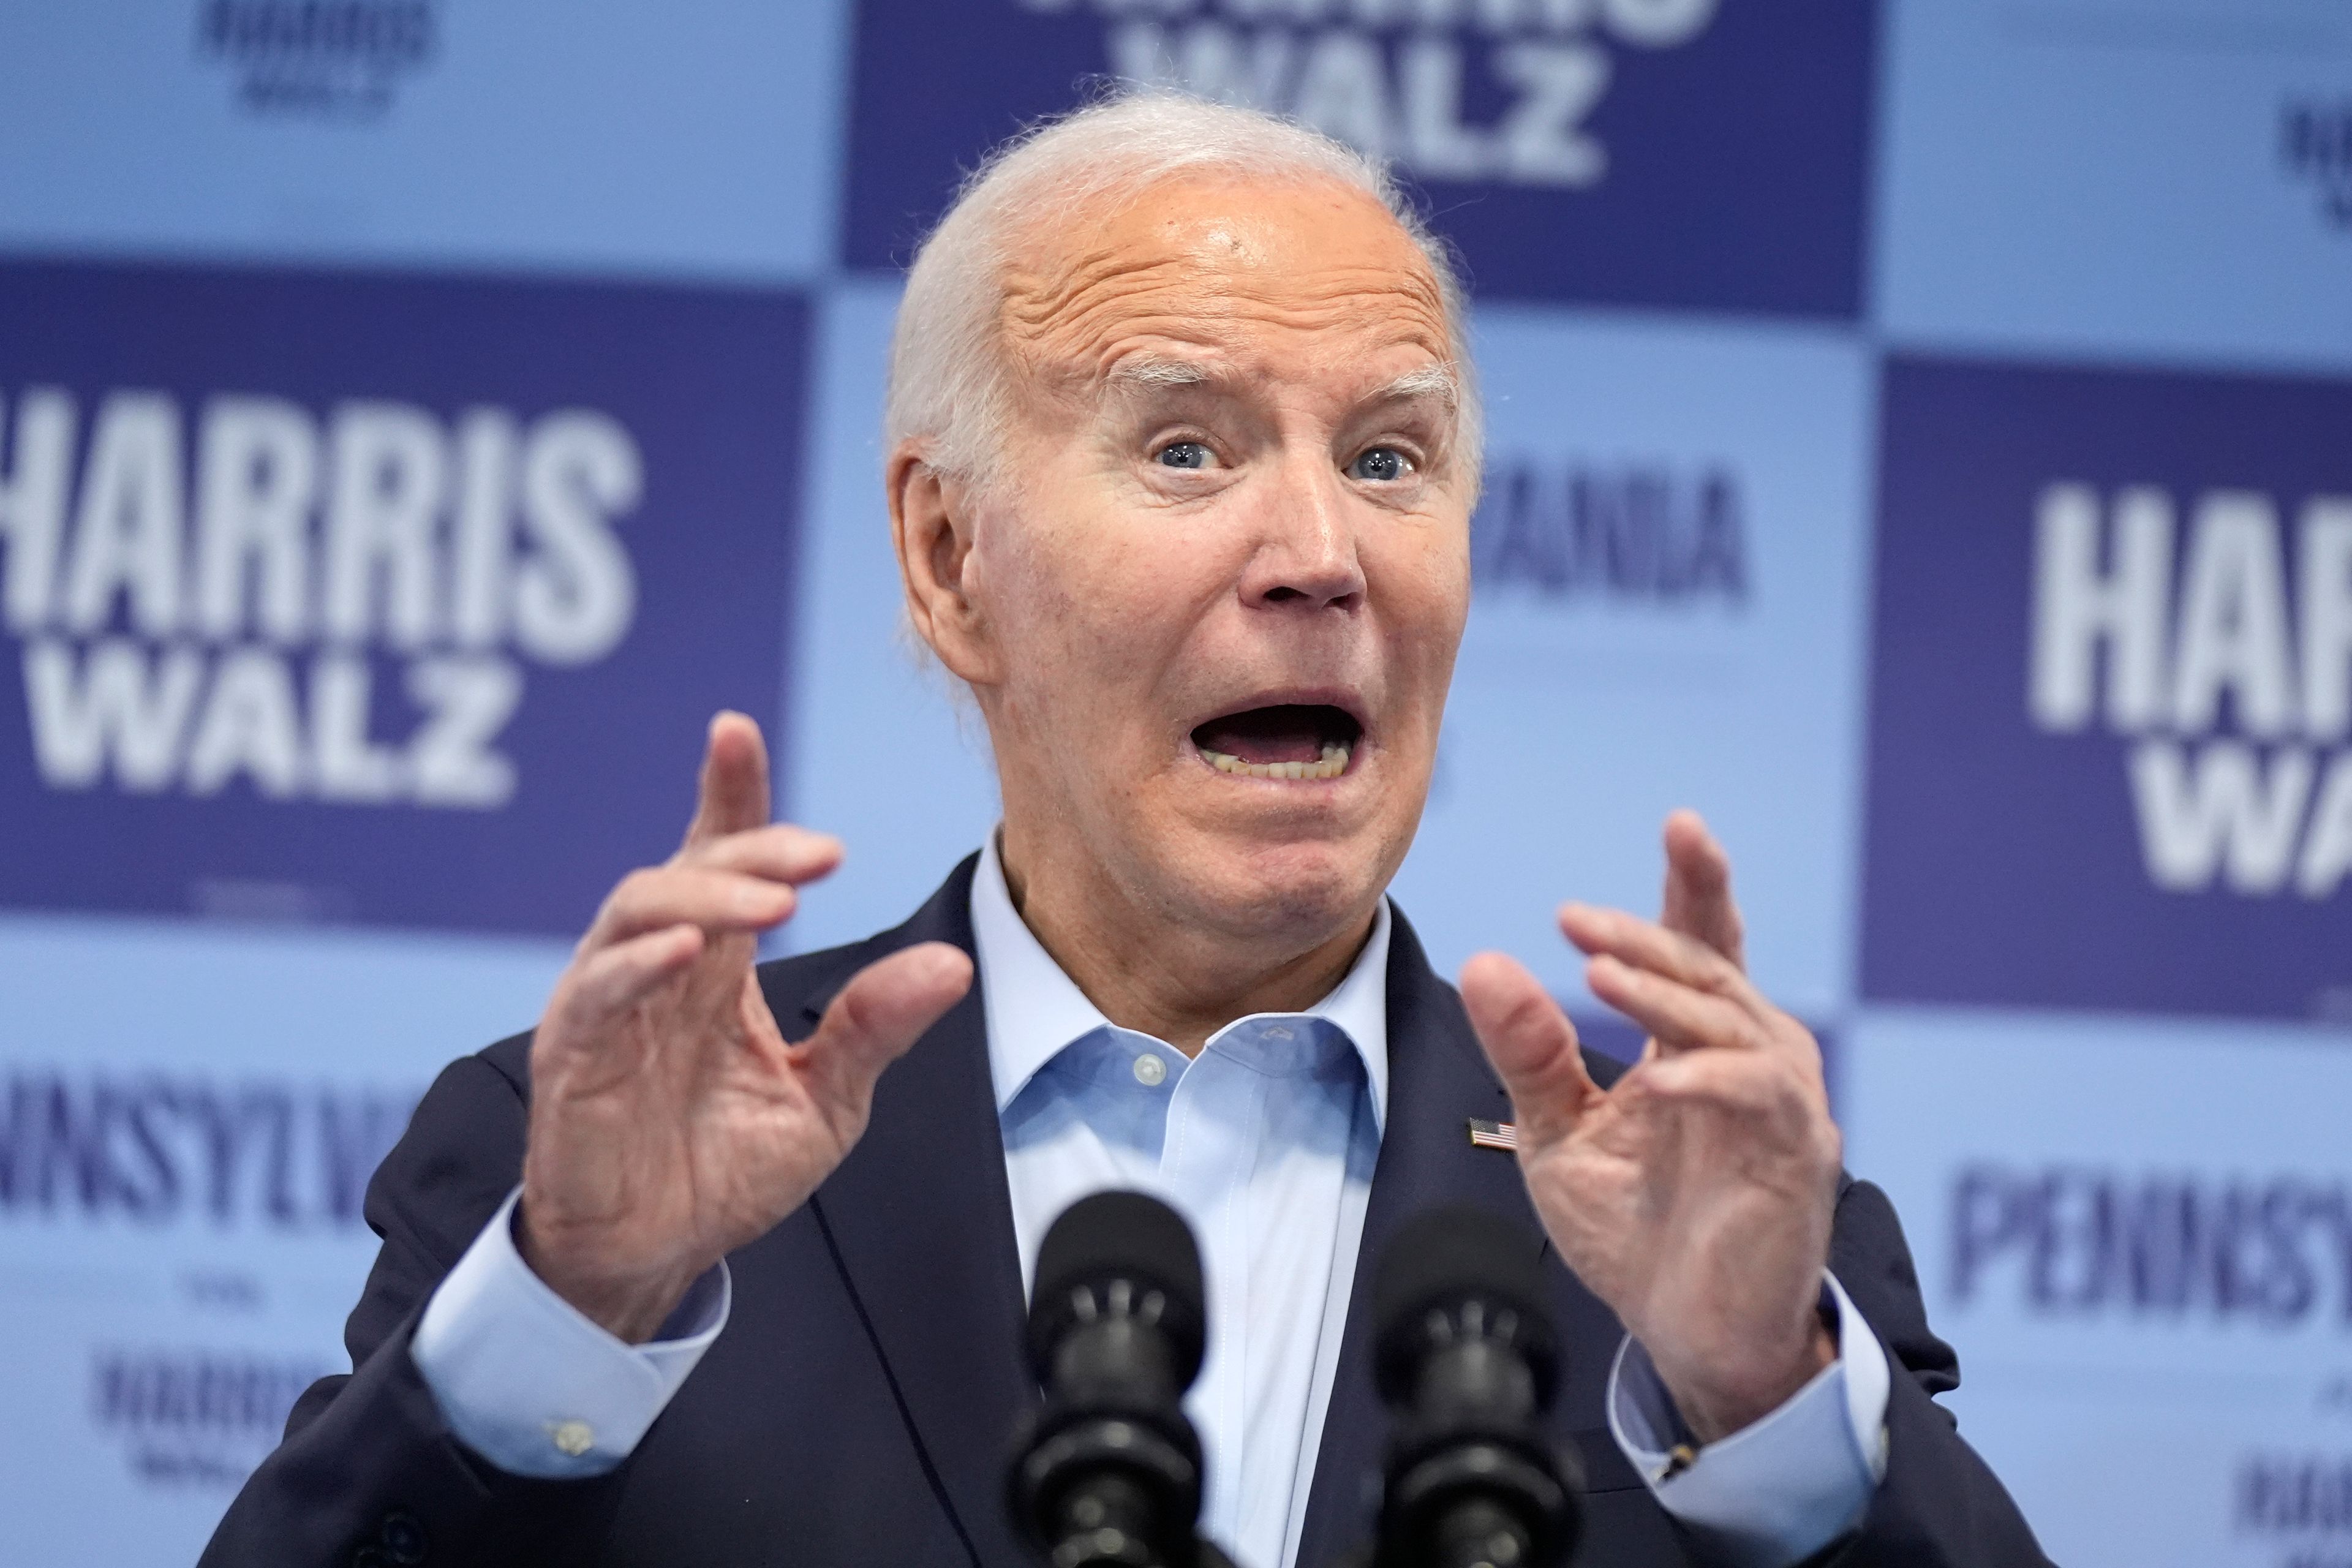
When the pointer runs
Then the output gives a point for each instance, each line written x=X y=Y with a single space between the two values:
x=1155 y=371
x=1436 y=381
x=1430 y=380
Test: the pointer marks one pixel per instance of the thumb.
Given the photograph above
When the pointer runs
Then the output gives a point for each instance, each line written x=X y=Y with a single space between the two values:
x=886 y=1007
x=1532 y=1045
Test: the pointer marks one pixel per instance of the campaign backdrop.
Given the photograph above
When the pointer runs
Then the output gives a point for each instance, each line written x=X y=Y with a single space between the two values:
x=1918 y=440
x=2111 y=689
x=317 y=578
x=2139 y=1233
x=1675 y=152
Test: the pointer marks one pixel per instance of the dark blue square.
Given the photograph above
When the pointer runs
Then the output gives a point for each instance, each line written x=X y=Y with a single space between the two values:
x=1724 y=170
x=2019 y=854
x=632 y=494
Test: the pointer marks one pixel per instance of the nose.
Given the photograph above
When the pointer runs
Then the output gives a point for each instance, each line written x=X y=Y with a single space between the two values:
x=1306 y=556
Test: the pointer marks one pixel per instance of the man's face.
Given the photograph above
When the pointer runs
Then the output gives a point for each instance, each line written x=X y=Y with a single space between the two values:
x=1226 y=569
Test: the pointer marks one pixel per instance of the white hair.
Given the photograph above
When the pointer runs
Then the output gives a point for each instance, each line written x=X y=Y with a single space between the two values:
x=948 y=382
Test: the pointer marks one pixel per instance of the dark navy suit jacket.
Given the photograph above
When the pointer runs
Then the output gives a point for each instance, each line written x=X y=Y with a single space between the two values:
x=857 y=1409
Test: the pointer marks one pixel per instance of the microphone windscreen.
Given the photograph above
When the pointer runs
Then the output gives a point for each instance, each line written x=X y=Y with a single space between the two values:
x=1110 y=1237
x=1440 y=1259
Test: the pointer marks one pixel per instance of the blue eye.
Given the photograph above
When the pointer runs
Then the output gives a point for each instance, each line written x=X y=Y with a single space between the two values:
x=1184 y=455
x=1381 y=465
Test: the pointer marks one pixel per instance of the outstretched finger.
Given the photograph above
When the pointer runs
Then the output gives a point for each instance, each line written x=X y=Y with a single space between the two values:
x=1698 y=901
x=1646 y=945
x=621 y=976
x=884 y=1009
x=734 y=790
x=1679 y=1018
x=1532 y=1045
x=688 y=895
x=779 y=851
x=602 y=986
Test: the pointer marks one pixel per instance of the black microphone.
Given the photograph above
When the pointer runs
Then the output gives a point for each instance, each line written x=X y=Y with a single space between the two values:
x=1466 y=1361
x=1109 y=1472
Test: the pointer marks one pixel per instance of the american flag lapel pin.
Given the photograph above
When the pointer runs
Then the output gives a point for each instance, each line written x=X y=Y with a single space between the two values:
x=1486 y=1134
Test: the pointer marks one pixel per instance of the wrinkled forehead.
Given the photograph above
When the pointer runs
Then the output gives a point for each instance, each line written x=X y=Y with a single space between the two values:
x=1264 y=279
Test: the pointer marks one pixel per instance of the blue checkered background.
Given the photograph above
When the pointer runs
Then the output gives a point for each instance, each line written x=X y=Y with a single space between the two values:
x=1921 y=440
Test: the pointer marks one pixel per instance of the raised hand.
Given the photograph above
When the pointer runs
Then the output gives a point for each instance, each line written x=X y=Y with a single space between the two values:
x=670 y=1121
x=1693 y=1195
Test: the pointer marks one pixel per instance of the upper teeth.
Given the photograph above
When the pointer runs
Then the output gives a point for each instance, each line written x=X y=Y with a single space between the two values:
x=1334 y=763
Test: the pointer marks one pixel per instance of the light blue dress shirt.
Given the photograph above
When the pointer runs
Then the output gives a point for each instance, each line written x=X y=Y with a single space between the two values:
x=1265 y=1142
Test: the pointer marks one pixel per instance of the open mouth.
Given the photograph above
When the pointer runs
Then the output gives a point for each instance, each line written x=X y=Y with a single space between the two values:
x=1287 y=741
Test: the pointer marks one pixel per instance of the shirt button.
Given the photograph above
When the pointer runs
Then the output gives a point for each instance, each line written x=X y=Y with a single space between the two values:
x=1150 y=1070
x=572 y=1438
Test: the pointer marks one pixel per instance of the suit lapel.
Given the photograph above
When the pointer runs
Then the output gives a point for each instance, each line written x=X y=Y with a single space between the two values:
x=1438 y=1078
x=920 y=1220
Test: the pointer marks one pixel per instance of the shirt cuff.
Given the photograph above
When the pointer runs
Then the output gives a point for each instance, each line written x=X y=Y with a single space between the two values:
x=532 y=1385
x=1780 y=1488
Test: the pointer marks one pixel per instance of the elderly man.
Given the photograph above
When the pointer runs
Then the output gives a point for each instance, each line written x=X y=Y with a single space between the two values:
x=1183 y=452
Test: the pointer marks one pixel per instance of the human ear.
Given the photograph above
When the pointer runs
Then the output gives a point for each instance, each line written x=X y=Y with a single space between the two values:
x=931 y=517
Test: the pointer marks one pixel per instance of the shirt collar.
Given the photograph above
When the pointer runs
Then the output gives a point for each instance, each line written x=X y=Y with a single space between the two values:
x=1036 y=1011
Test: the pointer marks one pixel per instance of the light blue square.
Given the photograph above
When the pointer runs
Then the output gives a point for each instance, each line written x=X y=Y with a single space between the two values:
x=1581 y=717
x=696 y=138
x=2109 y=181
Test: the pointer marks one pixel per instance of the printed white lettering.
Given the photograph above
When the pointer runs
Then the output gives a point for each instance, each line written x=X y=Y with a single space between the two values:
x=347 y=765
x=2260 y=645
x=127 y=530
x=387 y=487
x=2234 y=633
x=1559 y=84
x=257 y=481
x=1430 y=73
x=33 y=503
x=1338 y=78
x=165 y=641
x=249 y=726
x=124 y=711
x=575 y=593
x=121 y=707
x=1209 y=58
x=2077 y=609
x=486 y=483
x=2325 y=594
x=2327 y=843
x=1343 y=92
x=2227 y=814
x=467 y=701
x=1658 y=24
